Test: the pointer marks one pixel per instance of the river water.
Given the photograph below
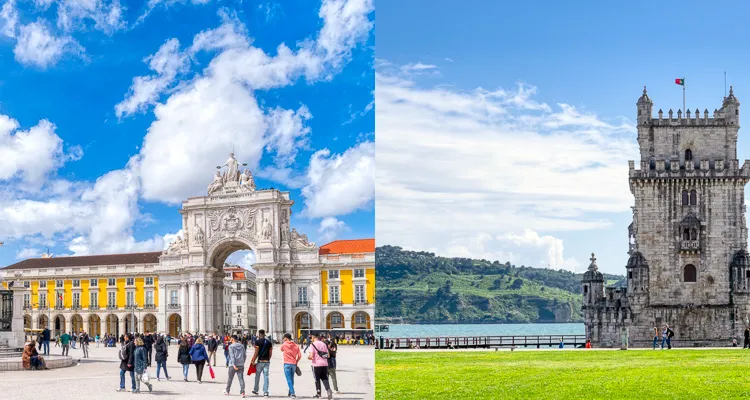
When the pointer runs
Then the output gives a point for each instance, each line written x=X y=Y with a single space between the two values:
x=415 y=331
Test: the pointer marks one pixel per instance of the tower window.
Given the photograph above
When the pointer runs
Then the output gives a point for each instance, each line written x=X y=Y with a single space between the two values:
x=688 y=155
x=693 y=234
x=690 y=274
x=685 y=198
x=747 y=274
x=693 y=197
x=686 y=234
x=630 y=274
x=586 y=288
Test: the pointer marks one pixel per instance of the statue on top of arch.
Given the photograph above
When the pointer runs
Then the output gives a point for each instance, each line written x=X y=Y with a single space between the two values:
x=232 y=178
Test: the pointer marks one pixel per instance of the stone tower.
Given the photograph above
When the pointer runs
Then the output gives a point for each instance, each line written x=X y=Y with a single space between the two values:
x=688 y=265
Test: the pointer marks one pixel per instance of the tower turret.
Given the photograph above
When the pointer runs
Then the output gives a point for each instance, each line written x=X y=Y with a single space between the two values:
x=593 y=284
x=731 y=108
x=644 y=105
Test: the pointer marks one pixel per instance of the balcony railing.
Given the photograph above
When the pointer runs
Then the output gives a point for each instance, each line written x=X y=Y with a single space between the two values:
x=690 y=245
x=26 y=307
x=42 y=307
x=93 y=307
x=75 y=307
x=302 y=303
x=173 y=306
x=361 y=302
x=111 y=307
x=335 y=303
x=149 y=307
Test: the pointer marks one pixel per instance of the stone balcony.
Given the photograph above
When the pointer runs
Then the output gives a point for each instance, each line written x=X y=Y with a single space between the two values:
x=304 y=303
x=690 y=245
x=173 y=306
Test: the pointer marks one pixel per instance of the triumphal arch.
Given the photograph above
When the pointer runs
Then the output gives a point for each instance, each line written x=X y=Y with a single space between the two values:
x=234 y=216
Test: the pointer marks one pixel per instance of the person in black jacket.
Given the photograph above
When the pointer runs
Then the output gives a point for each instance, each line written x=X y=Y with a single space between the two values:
x=212 y=344
x=161 y=357
x=747 y=338
x=183 y=356
x=127 y=362
x=148 y=343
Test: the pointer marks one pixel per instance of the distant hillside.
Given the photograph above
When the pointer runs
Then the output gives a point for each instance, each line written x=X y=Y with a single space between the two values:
x=418 y=287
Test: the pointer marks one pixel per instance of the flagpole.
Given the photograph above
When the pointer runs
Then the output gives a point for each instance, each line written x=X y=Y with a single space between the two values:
x=684 y=110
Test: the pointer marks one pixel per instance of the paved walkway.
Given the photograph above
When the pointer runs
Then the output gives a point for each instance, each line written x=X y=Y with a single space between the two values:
x=98 y=378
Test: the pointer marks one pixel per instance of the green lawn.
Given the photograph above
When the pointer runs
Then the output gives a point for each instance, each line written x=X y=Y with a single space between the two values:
x=575 y=374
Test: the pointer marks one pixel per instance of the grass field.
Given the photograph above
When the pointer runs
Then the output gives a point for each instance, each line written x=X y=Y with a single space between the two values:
x=564 y=374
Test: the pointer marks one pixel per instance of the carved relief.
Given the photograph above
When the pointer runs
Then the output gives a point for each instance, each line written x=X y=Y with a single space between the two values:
x=232 y=222
x=285 y=225
x=198 y=236
x=300 y=240
x=267 y=231
x=177 y=246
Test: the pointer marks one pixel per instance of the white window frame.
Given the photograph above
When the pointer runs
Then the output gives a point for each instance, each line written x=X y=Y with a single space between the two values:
x=129 y=281
x=42 y=299
x=112 y=282
x=26 y=284
x=112 y=296
x=334 y=290
x=174 y=297
x=76 y=283
x=43 y=284
x=149 y=281
x=357 y=271
x=26 y=300
x=333 y=274
x=76 y=299
x=149 y=297
x=93 y=299
x=93 y=282
x=302 y=294
x=360 y=296
x=130 y=298
x=59 y=283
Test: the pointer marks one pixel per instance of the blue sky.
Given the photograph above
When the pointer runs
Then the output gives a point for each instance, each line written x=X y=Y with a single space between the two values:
x=110 y=115
x=533 y=167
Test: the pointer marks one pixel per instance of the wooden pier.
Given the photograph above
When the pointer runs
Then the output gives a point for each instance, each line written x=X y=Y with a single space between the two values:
x=484 y=342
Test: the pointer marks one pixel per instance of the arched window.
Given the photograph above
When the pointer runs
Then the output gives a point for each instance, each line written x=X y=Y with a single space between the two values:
x=685 y=198
x=693 y=197
x=693 y=234
x=686 y=234
x=691 y=275
x=688 y=155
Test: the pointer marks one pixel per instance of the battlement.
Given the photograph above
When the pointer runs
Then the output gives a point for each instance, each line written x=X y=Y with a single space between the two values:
x=688 y=119
x=690 y=169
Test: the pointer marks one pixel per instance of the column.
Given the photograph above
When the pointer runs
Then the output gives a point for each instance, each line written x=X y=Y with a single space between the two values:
x=183 y=306
x=288 y=307
x=278 y=316
x=162 y=323
x=272 y=320
x=103 y=327
x=260 y=303
x=192 y=308
x=122 y=325
x=202 y=306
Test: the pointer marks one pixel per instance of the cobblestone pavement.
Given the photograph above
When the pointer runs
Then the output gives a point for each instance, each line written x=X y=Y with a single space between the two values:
x=98 y=378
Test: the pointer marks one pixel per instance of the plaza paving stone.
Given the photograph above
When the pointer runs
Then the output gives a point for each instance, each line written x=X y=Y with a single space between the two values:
x=98 y=377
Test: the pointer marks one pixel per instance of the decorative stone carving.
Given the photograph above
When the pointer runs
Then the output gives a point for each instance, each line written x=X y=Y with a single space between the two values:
x=216 y=185
x=267 y=231
x=284 y=225
x=198 y=236
x=232 y=222
x=246 y=181
x=232 y=173
x=177 y=246
x=300 y=240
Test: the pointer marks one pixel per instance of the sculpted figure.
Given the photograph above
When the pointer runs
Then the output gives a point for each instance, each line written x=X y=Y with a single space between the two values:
x=217 y=184
x=247 y=181
x=233 y=172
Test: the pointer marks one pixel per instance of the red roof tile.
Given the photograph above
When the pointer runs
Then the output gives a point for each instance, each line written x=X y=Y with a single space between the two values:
x=348 y=247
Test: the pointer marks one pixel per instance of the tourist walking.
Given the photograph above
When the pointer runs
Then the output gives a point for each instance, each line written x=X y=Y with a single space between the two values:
x=332 y=349
x=161 y=350
x=199 y=356
x=292 y=355
x=127 y=359
x=665 y=338
x=140 y=365
x=65 y=342
x=319 y=356
x=746 y=344
x=226 y=350
x=183 y=356
x=656 y=337
x=148 y=342
x=237 y=357
x=212 y=343
x=84 y=337
x=263 y=352
x=46 y=337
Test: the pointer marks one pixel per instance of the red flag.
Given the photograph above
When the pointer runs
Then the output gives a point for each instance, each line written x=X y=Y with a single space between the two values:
x=680 y=81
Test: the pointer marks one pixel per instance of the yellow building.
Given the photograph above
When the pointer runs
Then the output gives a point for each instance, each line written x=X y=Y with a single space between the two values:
x=100 y=294
x=348 y=283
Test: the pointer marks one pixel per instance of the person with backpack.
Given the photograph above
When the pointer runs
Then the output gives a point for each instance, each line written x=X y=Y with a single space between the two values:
x=292 y=355
x=199 y=356
x=127 y=361
x=333 y=348
x=263 y=352
x=670 y=335
x=160 y=348
x=183 y=356
x=319 y=356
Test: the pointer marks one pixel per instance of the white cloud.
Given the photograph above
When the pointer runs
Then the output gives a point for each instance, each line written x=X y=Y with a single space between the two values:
x=27 y=253
x=243 y=258
x=31 y=155
x=9 y=19
x=74 y=15
x=205 y=117
x=339 y=184
x=459 y=169
x=417 y=67
x=39 y=47
x=330 y=228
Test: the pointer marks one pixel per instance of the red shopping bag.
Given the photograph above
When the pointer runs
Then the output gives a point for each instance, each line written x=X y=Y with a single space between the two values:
x=211 y=372
x=251 y=369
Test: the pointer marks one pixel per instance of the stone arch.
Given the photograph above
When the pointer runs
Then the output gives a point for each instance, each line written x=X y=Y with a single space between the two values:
x=175 y=325
x=95 y=325
x=76 y=323
x=113 y=325
x=59 y=324
x=218 y=252
x=43 y=321
x=690 y=274
x=335 y=320
x=149 y=323
x=360 y=320
x=26 y=321
x=303 y=320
